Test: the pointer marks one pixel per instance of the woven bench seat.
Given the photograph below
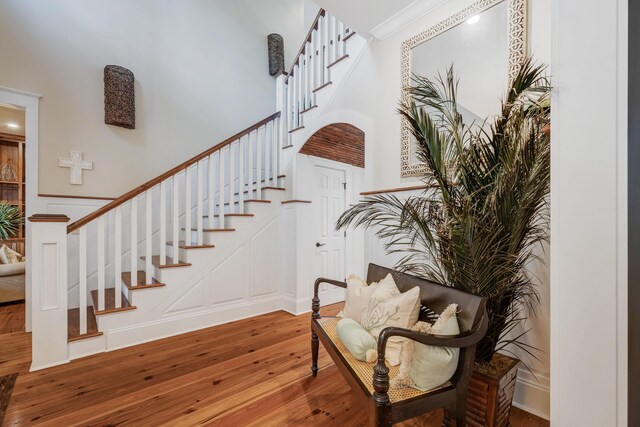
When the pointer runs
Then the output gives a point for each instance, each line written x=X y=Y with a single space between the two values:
x=364 y=370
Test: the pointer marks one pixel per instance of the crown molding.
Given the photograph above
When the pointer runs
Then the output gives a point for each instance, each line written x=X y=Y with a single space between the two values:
x=404 y=17
x=20 y=92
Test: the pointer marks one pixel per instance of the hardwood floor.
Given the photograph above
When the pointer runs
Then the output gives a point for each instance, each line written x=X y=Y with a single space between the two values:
x=246 y=373
x=12 y=317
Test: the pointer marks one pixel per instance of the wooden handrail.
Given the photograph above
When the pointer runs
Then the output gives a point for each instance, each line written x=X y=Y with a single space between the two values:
x=155 y=181
x=307 y=39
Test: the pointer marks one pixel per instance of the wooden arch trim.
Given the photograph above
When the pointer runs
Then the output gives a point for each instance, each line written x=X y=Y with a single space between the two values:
x=340 y=142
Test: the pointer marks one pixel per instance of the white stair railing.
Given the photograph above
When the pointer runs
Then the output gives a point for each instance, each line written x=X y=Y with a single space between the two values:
x=323 y=47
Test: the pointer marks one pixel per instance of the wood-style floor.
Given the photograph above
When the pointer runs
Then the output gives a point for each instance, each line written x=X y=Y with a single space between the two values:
x=252 y=372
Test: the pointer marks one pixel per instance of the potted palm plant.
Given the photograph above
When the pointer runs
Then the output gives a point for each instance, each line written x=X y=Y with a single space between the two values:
x=10 y=220
x=481 y=219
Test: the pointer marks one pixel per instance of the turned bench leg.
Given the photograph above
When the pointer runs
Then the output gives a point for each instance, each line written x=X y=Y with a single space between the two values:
x=314 y=353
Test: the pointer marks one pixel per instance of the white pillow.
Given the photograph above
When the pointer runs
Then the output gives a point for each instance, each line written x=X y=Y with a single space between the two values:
x=389 y=307
x=425 y=366
x=359 y=293
x=3 y=255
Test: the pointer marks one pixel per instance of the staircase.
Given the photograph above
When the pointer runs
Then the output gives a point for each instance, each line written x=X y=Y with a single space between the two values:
x=201 y=244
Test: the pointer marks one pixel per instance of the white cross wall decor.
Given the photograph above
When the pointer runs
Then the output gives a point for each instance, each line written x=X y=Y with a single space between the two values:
x=76 y=165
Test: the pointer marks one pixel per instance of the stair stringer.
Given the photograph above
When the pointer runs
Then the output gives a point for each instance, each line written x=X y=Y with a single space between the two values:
x=156 y=315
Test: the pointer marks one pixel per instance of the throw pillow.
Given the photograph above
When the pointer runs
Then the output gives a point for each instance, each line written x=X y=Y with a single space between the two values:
x=391 y=308
x=359 y=293
x=358 y=341
x=425 y=366
x=3 y=255
x=11 y=255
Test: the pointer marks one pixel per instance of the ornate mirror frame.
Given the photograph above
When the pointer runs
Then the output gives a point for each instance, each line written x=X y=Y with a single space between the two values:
x=517 y=40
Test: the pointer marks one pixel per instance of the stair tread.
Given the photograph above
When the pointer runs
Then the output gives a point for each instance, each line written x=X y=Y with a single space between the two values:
x=213 y=230
x=155 y=261
x=182 y=245
x=343 y=57
x=257 y=201
x=308 y=109
x=348 y=36
x=274 y=188
x=110 y=302
x=296 y=129
x=322 y=86
x=73 y=325
x=141 y=281
x=232 y=215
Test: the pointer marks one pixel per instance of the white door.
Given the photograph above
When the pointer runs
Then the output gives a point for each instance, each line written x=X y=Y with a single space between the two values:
x=329 y=247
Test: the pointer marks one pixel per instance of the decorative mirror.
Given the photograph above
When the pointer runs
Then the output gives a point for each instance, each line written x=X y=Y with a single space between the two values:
x=486 y=43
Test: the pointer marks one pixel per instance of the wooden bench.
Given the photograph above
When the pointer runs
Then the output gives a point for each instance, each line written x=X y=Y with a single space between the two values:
x=370 y=383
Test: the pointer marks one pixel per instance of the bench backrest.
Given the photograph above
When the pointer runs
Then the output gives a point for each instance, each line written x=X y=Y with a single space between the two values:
x=434 y=296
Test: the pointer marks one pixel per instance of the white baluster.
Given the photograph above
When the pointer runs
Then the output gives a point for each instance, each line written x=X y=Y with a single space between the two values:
x=221 y=189
x=187 y=210
x=134 y=241
x=300 y=91
x=163 y=223
x=117 y=257
x=274 y=152
x=307 y=76
x=176 y=215
x=334 y=44
x=314 y=68
x=250 y=174
x=259 y=143
x=148 y=243
x=232 y=179
x=277 y=147
x=200 y=213
x=341 y=46
x=82 y=247
x=325 y=49
x=101 y=290
x=212 y=189
x=268 y=161
x=241 y=158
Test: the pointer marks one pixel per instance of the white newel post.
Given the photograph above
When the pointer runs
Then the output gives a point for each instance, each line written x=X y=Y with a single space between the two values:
x=49 y=290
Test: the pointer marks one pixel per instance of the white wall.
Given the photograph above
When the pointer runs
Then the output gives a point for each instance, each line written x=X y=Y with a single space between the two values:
x=201 y=75
x=379 y=69
x=589 y=214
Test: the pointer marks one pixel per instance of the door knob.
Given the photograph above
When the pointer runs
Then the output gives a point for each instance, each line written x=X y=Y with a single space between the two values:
x=318 y=244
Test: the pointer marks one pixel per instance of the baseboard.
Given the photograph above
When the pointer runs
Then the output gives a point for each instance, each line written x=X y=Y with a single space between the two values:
x=533 y=393
x=303 y=305
x=167 y=327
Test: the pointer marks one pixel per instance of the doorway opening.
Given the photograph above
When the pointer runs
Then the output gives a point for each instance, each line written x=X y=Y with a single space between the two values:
x=12 y=213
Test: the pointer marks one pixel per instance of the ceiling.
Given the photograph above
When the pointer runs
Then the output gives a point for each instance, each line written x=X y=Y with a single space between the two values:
x=11 y=120
x=368 y=16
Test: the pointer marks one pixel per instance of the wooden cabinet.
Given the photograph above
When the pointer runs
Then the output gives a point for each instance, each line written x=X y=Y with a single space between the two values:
x=12 y=180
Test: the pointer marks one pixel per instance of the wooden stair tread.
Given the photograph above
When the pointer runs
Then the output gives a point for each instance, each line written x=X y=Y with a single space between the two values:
x=232 y=215
x=183 y=245
x=308 y=109
x=155 y=261
x=296 y=129
x=73 y=325
x=322 y=86
x=348 y=36
x=284 y=147
x=274 y=188
x=213 y=230
x=257 y=201
x=141 y=281
x=110 y=302
x=342 y=58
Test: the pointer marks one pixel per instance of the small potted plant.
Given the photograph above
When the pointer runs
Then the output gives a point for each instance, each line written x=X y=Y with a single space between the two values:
x=481 y=219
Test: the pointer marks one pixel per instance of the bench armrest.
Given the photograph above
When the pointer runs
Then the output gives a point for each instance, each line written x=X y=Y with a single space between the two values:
x=464 y=339
x=315 y=302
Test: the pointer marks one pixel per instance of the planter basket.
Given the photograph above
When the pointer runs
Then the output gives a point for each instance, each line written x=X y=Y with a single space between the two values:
x=489 y=396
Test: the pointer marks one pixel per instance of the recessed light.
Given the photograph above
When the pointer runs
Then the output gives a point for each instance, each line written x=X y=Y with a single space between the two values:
x=473 y=19
x=13 y=125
